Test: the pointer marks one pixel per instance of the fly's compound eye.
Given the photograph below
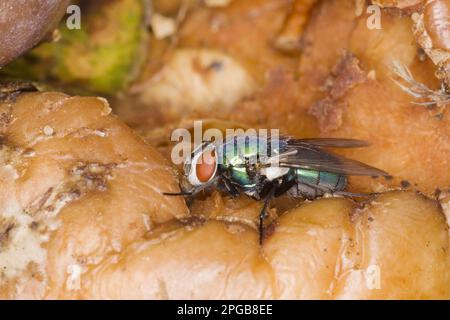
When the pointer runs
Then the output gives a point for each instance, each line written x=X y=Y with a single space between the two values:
x=203 y=167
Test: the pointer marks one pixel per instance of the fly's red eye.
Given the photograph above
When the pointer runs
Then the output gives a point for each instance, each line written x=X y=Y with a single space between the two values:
x=206 y=167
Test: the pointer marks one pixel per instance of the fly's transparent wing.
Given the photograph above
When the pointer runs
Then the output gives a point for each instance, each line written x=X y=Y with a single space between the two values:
x=313 y=158
x=328 y=142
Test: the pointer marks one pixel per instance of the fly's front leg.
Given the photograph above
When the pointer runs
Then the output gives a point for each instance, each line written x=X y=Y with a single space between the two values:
x=190 y=194
x=230 y=188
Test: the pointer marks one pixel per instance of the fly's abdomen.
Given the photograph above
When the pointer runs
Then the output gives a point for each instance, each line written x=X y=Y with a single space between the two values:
x=313 y=184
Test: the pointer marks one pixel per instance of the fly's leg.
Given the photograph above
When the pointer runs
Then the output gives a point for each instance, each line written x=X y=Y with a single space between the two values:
x=263 y=212
x=230 y=188
x=190 y=194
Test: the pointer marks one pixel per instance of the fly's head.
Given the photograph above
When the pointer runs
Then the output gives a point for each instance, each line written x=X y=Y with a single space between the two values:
x=200 y=169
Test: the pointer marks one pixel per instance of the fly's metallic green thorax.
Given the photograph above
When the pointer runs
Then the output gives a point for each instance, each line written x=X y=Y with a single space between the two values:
x=236 y=149
x=238 y=154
